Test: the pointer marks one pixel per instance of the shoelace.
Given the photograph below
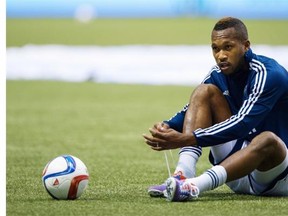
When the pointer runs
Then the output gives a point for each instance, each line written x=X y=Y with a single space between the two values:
x=193 y=190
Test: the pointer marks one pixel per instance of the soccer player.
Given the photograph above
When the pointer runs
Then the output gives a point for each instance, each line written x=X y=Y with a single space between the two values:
x=240 y=111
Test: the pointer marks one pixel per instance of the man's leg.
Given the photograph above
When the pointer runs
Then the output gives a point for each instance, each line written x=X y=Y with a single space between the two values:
x=266 y=153
x=207 y=106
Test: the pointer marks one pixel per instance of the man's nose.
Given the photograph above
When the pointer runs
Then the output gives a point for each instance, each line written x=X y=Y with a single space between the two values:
x=222 y=55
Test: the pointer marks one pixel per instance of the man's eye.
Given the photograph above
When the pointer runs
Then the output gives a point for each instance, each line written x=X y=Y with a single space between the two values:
x=228 y=47
x=215 y=49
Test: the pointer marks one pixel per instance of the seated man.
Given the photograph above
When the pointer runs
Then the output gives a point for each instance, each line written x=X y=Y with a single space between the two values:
x=240 y=110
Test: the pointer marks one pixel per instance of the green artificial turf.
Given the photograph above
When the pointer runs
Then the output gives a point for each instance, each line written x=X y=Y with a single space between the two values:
x=102 y=124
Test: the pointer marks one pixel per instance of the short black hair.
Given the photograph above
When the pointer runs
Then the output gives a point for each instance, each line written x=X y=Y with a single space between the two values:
x=231 y=22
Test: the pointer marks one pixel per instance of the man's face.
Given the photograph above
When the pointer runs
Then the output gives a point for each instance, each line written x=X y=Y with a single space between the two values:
x=228 y=50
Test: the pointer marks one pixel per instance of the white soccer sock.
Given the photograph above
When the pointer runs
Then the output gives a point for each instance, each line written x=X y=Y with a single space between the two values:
x=212 y=178
x=188 y=157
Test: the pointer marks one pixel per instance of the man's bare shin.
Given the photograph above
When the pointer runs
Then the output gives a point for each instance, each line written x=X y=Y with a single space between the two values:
x=207 y=107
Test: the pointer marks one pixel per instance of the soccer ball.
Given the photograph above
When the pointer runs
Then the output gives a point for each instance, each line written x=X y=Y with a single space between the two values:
x=65 y=177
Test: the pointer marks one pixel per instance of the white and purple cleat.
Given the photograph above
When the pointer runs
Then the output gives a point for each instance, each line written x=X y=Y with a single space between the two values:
x=160 y=190
x=157 y=190
x=179 y=190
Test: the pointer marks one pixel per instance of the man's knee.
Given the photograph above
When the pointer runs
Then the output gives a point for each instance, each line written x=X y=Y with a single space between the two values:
x=267 y=142
x=212 y=97
x=207 y=91
x=270 y=147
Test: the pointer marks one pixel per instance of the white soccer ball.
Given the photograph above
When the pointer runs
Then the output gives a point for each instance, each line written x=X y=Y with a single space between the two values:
x=65 y=177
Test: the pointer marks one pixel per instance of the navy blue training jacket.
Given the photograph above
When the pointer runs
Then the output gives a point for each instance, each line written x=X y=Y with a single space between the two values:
x=258 y=101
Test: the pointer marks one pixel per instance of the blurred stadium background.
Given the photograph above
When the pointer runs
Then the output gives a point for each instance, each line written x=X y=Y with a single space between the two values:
x=116 y=41
x=144 y=41
x=256 y=9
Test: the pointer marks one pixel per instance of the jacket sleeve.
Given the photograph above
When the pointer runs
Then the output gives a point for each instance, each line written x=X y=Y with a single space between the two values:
x=176 y=122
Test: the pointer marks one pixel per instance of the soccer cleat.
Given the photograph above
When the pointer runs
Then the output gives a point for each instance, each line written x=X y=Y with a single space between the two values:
x=179 y=190
x=157 y=190
x=160 y=190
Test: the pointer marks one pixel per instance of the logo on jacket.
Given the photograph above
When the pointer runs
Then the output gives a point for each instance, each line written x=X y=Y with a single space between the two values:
x=226 y=92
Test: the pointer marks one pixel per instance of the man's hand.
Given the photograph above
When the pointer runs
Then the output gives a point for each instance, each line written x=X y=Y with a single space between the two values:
x=163 y=138
x=161 y=126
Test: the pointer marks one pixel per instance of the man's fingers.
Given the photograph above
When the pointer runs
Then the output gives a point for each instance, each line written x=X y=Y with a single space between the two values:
x=151 y=140
x=152 y=131
x=157 y=133
x=157 y=148
x=154 y=143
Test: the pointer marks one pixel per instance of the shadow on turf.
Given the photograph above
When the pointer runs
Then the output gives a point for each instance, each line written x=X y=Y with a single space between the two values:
x=206 y=197
x=212 y=196
x=145 y=198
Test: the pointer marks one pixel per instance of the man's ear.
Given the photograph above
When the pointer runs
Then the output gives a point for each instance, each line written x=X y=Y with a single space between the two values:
x=247 y=45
